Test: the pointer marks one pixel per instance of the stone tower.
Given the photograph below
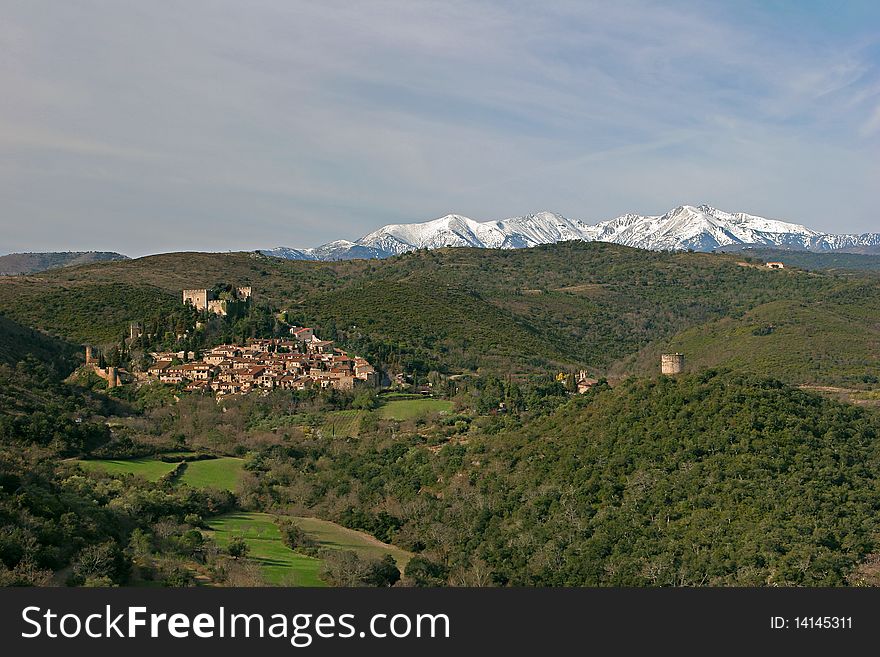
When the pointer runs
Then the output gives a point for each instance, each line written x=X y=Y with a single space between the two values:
x=112 y=377
x=198 y=298
x=90 y=356
x=672 y=363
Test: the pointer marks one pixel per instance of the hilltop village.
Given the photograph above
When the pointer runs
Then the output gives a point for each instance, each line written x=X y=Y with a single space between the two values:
x=295 y=363
x=268 y=364
x=301 y=361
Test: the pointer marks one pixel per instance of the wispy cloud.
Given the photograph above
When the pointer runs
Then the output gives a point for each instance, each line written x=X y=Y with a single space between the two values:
x=872 y=125
x=239 y=125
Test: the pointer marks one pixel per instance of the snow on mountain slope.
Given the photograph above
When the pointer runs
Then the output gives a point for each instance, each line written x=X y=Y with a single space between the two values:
x=701 y=228
x=288 y=253
x=451 y=230
x=541 y=228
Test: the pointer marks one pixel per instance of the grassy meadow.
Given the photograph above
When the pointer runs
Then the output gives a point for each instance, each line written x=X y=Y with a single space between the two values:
x=329 y=535
x=411 y=409
x=149 y=468
x=279 y=564
x=223 y=473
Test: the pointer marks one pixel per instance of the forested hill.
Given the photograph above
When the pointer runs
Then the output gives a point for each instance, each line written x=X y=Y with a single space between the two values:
x=711 y=479
x=18 y=342
x=564 y=306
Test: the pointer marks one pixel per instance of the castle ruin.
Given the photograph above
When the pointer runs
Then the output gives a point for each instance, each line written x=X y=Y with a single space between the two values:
x=203 y=299
x=672 y=363
x=198 y=298
x=114 y=376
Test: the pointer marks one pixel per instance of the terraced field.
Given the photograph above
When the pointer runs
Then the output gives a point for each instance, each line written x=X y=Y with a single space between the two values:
x=336 y=537
x=149 y=468
x=343 y=424
x=223 y=473
x=279 y=564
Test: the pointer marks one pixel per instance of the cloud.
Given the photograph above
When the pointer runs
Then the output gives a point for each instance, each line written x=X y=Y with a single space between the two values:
x=238 y=125
x=872 y=125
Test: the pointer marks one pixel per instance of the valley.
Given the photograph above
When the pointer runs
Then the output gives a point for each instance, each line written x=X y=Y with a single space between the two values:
x=475 y=458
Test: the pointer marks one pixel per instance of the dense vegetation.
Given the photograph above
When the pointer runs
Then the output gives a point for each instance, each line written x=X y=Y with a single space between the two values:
x=715 y=479
x=96 y=313
x=563 y=306
x=20 y=342
x=62 y=527
x=724 y=476
x=57 y=525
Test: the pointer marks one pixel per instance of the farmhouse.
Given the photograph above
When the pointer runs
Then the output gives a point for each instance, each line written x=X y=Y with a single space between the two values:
x=585 y=382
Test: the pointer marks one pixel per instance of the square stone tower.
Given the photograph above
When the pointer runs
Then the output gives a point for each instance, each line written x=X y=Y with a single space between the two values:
x=198 y=298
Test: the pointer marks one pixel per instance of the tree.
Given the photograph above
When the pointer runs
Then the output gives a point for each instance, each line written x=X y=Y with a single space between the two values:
x=424 y=572
x=140 y=545
x=178 y=577
x=103 y=560
x=343 y=568
x=292 y=535
x=365 y=400
x=383 y=572
x=237 y=548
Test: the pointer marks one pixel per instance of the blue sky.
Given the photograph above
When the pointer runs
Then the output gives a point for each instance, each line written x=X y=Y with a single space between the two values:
x=155 y=126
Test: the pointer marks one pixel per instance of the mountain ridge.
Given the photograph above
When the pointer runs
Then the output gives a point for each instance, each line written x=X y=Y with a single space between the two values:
x=686 y=227
x=31 y=263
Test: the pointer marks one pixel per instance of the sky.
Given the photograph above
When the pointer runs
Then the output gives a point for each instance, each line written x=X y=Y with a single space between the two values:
x=146 y=127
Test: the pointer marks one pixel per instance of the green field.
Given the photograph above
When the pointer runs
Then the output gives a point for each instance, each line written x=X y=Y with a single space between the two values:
x=283 y=566
x=336 y=537
x=148 y=468
x=223 y=473
x=409 y=409
x=342 y=424
x=280 y=564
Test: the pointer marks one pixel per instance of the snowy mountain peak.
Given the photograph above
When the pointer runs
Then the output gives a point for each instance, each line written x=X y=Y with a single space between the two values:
x=701 y=228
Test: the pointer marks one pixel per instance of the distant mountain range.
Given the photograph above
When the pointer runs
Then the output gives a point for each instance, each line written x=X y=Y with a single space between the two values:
x=701 y=228
x=30 y=263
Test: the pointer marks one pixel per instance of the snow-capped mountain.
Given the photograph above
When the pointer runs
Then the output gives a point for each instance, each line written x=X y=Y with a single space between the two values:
x=451 y=230
x=702 y=228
